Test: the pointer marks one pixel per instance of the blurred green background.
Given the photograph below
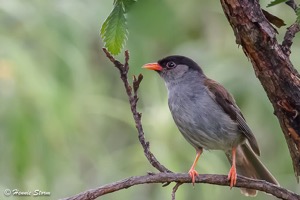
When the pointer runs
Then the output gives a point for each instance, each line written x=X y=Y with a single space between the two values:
x=65 y=121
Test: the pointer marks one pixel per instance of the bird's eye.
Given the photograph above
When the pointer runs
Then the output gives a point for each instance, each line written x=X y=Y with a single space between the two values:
x=171 y=65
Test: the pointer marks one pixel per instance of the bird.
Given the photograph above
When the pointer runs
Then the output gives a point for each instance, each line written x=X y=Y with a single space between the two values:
x=208 y=117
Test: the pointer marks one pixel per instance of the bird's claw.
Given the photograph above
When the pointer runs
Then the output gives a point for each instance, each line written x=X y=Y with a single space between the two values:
x=232 y=176
x=193 y=173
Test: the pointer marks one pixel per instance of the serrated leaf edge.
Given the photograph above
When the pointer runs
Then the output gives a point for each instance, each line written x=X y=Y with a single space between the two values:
x=275 y=2
x=118 y=5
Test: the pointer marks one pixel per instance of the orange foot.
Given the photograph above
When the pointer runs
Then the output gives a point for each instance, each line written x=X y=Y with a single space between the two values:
x=232 y=176
x=193 y=173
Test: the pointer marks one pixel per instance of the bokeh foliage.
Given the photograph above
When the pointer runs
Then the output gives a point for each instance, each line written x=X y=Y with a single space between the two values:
x=66 y=125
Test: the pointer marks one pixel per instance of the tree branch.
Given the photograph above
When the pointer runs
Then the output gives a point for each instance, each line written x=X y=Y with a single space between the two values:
x=288 y=38
x=175 y=188
x=133 y=99
x=291 y=31
x=292 y=4
x=166 y=177
x=185 y=178
x=272 y=66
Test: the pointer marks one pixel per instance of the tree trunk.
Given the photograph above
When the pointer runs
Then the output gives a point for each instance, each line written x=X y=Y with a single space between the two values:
x=272 y=66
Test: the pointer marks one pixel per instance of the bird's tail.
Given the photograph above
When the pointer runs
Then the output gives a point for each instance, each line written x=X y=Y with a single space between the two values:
x=248 y=165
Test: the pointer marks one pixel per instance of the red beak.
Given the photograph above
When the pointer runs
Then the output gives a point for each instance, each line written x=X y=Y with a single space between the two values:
x=153 y=66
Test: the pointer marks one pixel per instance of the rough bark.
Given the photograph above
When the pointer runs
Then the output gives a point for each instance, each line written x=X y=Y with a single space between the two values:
x=272 y=66
x=269 y=188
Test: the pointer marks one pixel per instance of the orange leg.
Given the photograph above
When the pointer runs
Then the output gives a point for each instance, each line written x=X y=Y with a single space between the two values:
x=192 y=171
x=232 y=176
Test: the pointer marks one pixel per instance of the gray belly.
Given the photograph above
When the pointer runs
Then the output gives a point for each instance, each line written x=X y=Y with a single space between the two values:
x=203 y=123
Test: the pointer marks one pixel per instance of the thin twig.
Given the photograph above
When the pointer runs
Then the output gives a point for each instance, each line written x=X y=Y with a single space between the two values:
x=288 y=38
x=291 y=31
x=242 y=182
x=126 y=65
x=133 y=98
x=175 y=188
x=292 y=4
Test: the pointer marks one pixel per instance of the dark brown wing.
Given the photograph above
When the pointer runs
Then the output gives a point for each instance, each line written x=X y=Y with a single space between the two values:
x=226 y=101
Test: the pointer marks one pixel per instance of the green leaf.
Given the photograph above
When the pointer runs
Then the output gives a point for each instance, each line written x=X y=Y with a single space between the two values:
x=114 y=30
x=298 y=15
x=127 y=4
x=275 y=2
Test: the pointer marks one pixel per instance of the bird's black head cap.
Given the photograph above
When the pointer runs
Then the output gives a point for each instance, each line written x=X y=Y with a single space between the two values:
x=179 y=60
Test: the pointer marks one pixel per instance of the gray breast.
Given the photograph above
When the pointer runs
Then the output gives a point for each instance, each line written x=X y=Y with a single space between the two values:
x=201 y=120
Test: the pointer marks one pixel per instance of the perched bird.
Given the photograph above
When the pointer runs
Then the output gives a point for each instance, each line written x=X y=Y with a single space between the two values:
x=208 y=118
